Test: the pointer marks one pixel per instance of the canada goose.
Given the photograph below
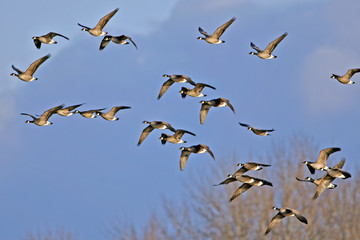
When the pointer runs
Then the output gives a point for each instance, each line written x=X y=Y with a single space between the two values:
x=266 y=54
x=325 y=181
x=206 y=105
x=247 y=181
x=346 y=78
x=244 y=179
x=89 y=113
x=186 y=151
x=171 y=80
x=176 y=138
x=196 y=91
x=43 y=119
x=214 y=39
x=110 y=116
x=115 y=39
x=152 y=126
x=322 y=159
x=249 y=166
x=67 y=111
x=316 y=182
x=27 y=76
x=47 y=39
x=98 y=29
x=260 y=132
x=284 y=212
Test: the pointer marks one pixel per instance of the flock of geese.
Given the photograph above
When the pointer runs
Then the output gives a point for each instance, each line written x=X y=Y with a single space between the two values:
x=323 y=183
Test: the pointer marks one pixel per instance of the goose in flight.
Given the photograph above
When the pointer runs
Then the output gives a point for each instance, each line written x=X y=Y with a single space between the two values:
x=215 y=38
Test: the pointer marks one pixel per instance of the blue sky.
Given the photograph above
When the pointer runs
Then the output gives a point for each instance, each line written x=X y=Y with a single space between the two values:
x=80 y=174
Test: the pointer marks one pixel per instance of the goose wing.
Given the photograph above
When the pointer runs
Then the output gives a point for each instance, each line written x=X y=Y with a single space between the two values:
x=130 y=39
x=256 y=48
x=114 y=110
x=299 y=216
x=351 y=72
x=17 y=70
x=165 y=87
x=54 y=34
x=84 y=26
x=240 y=190
x=274 y=221
x=274 y=43
x=183 y=158
x=200 y=86
x=37 y=43
x=47 y=114
x=26 y=114
x=325 y=153
x=34 y=66
x=179 y=133
x=104 y=42
x=228 y=103
x=203 y=112
x=220 y=30
x=208 y=150
x=103 y=21
x=204 y=33
x=145 y=133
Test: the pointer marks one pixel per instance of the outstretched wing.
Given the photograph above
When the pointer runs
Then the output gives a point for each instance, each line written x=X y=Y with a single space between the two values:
x=26 y=114
x=84 y=26
x=244 y=124
x=16 y=69
x=131 y=40
x=325 y=153
x=204 y=33
x=34 y=66
x=47 y=114
x=145 y=133
x=220 y=30
x=208 y=150
x=200 y=86
x=256 y=48
x=226 y=181
x=351 y=72
x=101 y=24
x=183 y=158
x=179 y=133
x=240 y=190
x=37 y=43
x=165 y=87
x=203 y=112
x=228 y=103
x=54 y=34
x=274 y=221
x=104 y=42
x=274 y=43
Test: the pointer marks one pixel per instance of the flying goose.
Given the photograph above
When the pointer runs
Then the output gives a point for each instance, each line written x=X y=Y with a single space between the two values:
x=47 y=39
x=152 y=126
x=284 y=212
x=247 y=181
x=67 y=111
x=249 y=166
x=115 y=39
x=326 y=180
x=316 y=182
x=266 y=54
x=261 y=132
x=171 y=80
x=98 y=29
x=322 y=159
x=206 y=105
x=89 y=113
x=186 y=151
x=43 y=119
x=27 y=76
x=214 y=39
x=110 y=116
x=196 y=91
x=346 y=78
x=176 y=138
